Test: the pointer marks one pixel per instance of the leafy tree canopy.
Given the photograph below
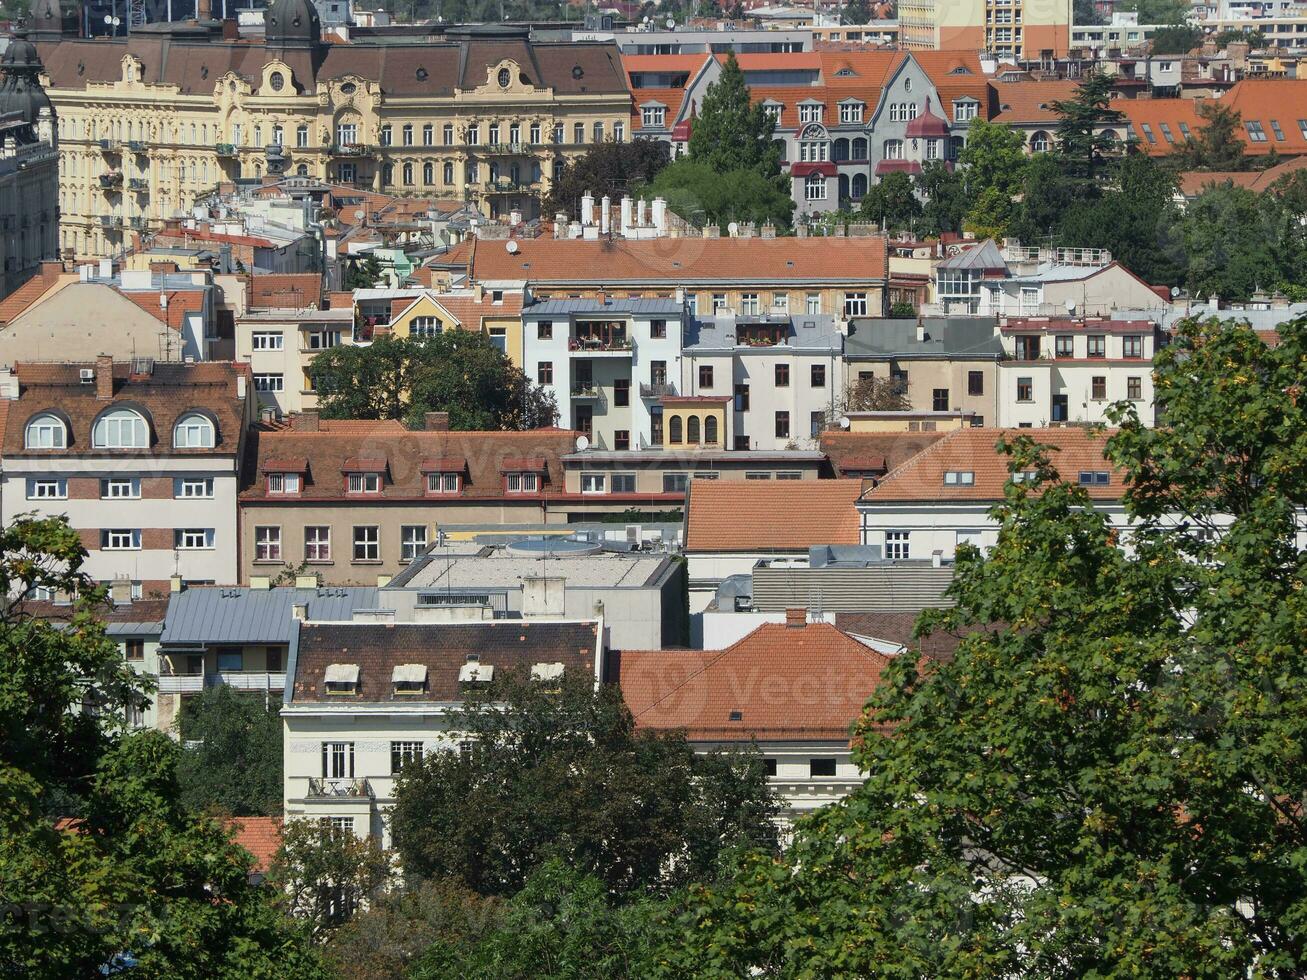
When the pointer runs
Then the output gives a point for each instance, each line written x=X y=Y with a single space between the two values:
x=566 y=775
x=1176 y=39
x=1254 y=39
x=730 y=132
x=892 y=202
x=322 y=875
x=1216 y=146
x=232 y=761
x=457 y=371
x=994 y=159
x=610 y=168
x=944 y=199
x=702 y=195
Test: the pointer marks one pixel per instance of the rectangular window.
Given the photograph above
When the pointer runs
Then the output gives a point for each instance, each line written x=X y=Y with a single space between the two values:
x=193 y=488
x=897 y=546
x=412 y=541
x=317 y=543
x=758 y=475
x=269 y=382
x=323 y=339
x=365 y=483
x=545 y=330
x=975 y=382
x=193 y=538
x=782 y=375
x=47 y=489
x=1134 y=388
x=718 y=302
x=741 y=398
x=230 y=660
x=658 y=329
x=338 y=762
x=705 y=375
x=545 y=372
x=407 y=132
x=267 y=544
x=267 y=340
x=959 y=478
x=1025 y=390
x=939 y=400
x=403 y=753
x=810 y=113
x=812 y=303
x=1148 y=132
x=120 y=489
x=818 y=375
x=135 y=649
x=1255 y=131
x=1132 y=345
x=652 y=116
x=1095 y=478
x=428 y=135
x=749 y=304
x=621 y=392
x=851 y=112
x=782 y=425
x=523 y=483
x=442 y=483
x=674 y=482
x=594 y=483
x=1064 y=346
x=621 y=439
x=1096 y=345
x=120 y=539
x=1098 y=387
x=623 y=482
x=821 y=768
x=816 y=424
x=855 y=304
x=367 y=542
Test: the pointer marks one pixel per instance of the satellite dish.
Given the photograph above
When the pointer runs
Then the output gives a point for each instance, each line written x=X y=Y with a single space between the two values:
x=511 y=246
x=358 y=215
x=844 y=422
x=582 y=444
x=733 y=228
x=1070 y=306
x=1175 y=292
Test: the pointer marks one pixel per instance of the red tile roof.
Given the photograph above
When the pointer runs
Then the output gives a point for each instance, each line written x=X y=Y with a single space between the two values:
x=1029 y=102
x=260 y=836
x=28 y=293
x=851 y=450
x=786 y=682
x=766 y=516
x=288 y=291
x=1073 y=450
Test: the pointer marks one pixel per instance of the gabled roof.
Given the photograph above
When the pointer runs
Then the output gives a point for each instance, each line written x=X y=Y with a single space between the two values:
x=260 y=836
x=921 y=479
x=296 y=291
x=857 y=451
x=1029 y=102
x=828 y=676
x=767 y=516
x=214 y=614
x=984 y=257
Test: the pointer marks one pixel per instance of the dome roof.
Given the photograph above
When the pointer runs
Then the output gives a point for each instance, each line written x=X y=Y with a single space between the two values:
x=292 y=23
x=927 y=124
x=21 y=54
x=22 y=95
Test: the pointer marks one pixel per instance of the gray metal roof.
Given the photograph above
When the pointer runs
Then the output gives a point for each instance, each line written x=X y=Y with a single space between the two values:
x=638 y=307
x=220 y=614
x=944 y=337
x=986 y=255
x=805 y=332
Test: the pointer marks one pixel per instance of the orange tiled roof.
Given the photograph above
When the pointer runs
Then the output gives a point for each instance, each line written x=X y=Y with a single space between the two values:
x=683 y=260
x=852 y=451
x=761 y=515
x=826 y=676
x=285 y=291
x=180 y=302
x=261 y=836
x=921 y=478
x=17 y=302
x=1029 y=102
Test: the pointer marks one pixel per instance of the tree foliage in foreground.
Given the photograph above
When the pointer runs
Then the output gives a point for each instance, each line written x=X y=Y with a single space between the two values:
x=610 y=168
x=137 y=880
x=457 y=371
x=232 y=759
x=1107 y=778
x=564 y=774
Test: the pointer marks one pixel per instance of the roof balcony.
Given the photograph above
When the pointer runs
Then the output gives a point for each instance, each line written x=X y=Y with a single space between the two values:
x=109 y=146
x=653 y=392
x=138 y=184
x=111 y=221
x=339 y=789
x=349 y=150
x=136 y=146
x=112 y=180
x=225 y=149
x=585 y=391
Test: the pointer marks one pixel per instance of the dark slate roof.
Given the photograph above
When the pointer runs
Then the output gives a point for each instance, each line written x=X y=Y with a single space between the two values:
x=986 y=255
x=144 y=617
x=975 y=337
x=564 y=307
x=228 y=614
x=443 y=648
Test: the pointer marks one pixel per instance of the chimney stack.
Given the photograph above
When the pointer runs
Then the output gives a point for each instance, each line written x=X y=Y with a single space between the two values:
x=436 y=421
x=120 y=591
x=796 y=619
x=305 y=422
x=921 y=331
x=605 y=212
x=104 y=377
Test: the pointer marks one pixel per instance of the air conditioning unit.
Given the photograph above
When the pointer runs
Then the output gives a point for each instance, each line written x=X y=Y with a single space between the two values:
x=633 y=532
x=87 y=375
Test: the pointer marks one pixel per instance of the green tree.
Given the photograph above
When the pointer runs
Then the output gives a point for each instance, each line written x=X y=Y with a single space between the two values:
x=1047 y=195
x=562 y=925
x=137 y=880
x=1176 y=39
x=855 y=12
x=1081 y=140
x=324 y=875
x=1233 y=241
x=892 y=202
x=731 y=133
x=608 y=168
x=1217 y=145
x=564 y=774
x=702 y=195
x=1104 y=778
x=991 y=215
x=363 y=273
x=232 y=760
x=994 y=159
x=457 y=371
x=944 y=199
x=1254 y=39
x=1156 y=11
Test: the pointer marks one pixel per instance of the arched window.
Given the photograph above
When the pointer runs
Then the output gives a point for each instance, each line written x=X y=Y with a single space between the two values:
x=428 y=173
x=388 y=173
x=119 y=429
x=47 y=432
x=408 y=175
x=710 y=430
x=859 y=149
x=674 y=430
x=1040 y=142
x=193 y=431
x=859 y=184
x=692 y=429
x=449 y=173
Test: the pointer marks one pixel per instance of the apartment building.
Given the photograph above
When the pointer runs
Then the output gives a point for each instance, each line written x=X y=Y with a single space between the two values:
x=781 y=376
x=942 y=498
x=844 y=118
x=608 y=363
x=142 y=458
x=944 y=364
x=355 y=502
x=496 y=314
x=750 y=276
x=1063 y=370
x=1008 y=29
x=1272 y=111
x=280 y=344
x=481 y=111
x=364 y=699
x=726 y=699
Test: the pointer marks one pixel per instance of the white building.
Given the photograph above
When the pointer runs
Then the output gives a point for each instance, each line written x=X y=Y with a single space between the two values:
x=783 y=372
x=143 y=459
x=607 y=362
x=279 y=346
x=365 y=698
x=1062 y=370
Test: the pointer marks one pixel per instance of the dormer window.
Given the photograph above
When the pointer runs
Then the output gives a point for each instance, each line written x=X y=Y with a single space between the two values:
x=120 y=429
x=46 y=432
x=444 y=474
x=523 y=483
x=365 y=483
x=959 y=478
x=193 y=431
x=1095 y=478
x=341 y=679
x=363 y=475
x=444 y=483
x=523 y=474
x=409 y=679
x=475 y=672
x=284 y=483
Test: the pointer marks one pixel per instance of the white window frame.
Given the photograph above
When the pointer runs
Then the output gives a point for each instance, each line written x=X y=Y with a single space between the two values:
x=120 y=429
x=121 y=539
x=185 y=486
x=120 y=488
x=194 y=431
x=851 y=112
x=523 y=482
x=367 y=542
x=269 y=382
x=267 y=542
x=442 y=483
x=812 y=304
x=855 y=304
x=594 y=482
x=50 y=432
x=410 y=545
x=193 y=539
x=364 y=483
x=318 y=549
x=898 y=545
x=810 y=112
x=653 y=116
x=47 y=488
x=267 y=340
x=283 y=483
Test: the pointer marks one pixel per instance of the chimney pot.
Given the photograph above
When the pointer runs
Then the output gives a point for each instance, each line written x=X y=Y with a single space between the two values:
x=796 y=618
x=305 y=422
x=104 y=377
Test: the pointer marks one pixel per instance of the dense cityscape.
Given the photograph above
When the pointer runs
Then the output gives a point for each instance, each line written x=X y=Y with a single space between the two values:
x=659 y=490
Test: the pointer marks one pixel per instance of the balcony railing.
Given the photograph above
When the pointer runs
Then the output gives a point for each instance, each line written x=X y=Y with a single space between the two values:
x=339 y=788
x=109 y=146
x=111 y=180
x=136 y=146
x=507 y=149
x=138 y=184
x=584 y=390
x=663 y=390
x=348 y=149
x=139 y=222
x=506 y=186
x=226 y=149
x=241 y=680
x=181 y=683
x=591 y=345
x=110 y=221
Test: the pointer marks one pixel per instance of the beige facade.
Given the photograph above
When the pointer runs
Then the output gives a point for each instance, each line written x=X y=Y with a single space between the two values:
x=150 y=123
x=966 y=387
x=279 y=346
x=1006 y=28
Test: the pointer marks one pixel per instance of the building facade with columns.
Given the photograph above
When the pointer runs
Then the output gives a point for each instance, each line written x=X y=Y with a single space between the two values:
x=150 y=122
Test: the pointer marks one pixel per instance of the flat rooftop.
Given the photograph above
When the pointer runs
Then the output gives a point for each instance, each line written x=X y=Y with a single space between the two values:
x=463 y=572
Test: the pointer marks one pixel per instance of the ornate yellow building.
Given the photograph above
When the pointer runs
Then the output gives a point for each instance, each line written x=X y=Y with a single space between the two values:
x=150 y=122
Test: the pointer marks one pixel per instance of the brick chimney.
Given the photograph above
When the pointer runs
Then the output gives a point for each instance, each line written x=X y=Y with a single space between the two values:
x=104 y=377
x=230 y=32
x=796 y=619
x=305 y=422
x=436 y=421
x=120 y=591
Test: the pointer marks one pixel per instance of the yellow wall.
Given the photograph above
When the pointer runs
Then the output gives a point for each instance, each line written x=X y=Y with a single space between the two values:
x=683 y=414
